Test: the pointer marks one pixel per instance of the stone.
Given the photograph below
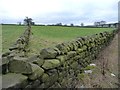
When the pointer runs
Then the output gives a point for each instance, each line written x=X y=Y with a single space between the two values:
x=76 y=58
x=35 y=83
x=66 y=64
x=81 y=41
x=28 y=87
x=82 y=55
x=71 y=46
x=74 y=65
x=33 y=58
x=4 y=65
x=4 y=69
x=63 y=83
x=20 y=66
x=37 y=72
x=84 y=47
x=62 y=48
x=56 y=85
x=45 y=77
x=39 y=62
x=5 y=60
x=79 y=44
x=68 y=46
x=48 y=53
x=79 y=50
x=12 y=79
x=62 y=58
x=70 y=61
x=5 y=54
x=51 y=63
x=13 y=48
x=71 y=54
x=61 y=76
x=51 y=80
x=57 y=50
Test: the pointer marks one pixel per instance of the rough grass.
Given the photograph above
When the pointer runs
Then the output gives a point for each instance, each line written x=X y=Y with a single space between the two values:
x=45 y=36
x=10 y=33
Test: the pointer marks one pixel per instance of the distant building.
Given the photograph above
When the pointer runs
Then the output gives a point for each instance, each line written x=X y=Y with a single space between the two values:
x=110 y=25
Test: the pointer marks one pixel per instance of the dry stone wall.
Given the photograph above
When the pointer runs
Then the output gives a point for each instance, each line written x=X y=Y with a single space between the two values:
x=21 y=43
x=18 y=49
x=55 y=67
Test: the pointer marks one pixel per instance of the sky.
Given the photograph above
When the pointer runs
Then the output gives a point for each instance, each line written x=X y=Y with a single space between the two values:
x=119 y=12
x=59 y=11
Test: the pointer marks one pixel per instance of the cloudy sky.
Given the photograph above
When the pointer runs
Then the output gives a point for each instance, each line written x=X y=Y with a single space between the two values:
x=55 y=11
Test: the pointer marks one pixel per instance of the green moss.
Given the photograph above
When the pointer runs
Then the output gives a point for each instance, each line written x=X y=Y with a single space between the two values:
x=45 y=77
x=61 y=58
x=80 y=50
x=74 y=65
x=37 y=72
x=39 y=62
x=51 y=63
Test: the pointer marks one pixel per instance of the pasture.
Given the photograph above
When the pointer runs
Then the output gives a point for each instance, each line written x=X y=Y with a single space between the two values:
x=45 y=36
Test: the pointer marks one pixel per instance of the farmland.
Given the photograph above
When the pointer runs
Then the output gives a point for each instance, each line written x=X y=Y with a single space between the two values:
x=45 y=36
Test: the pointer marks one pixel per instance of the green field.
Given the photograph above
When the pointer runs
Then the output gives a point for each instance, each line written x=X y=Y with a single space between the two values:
x=45 y=36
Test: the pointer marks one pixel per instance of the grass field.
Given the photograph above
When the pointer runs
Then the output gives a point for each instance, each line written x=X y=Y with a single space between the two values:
x=45 y=36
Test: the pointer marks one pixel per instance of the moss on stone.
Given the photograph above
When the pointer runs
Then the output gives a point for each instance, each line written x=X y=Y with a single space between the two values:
x=51 y=63
x=37 y=72
x=48 y=53
x=39 y=61
x=74 y=65
x=71 y=54
x=79 y=50
x=45 y=77
x=62 y=58
x=20 y=66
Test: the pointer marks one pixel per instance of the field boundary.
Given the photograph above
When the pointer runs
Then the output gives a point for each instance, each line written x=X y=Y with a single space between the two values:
x=57 y=66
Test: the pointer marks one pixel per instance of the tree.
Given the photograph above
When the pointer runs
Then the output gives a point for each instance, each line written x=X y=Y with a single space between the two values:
x=19 y=23
x=82 y=24
x=59 y=24
x=28 y=21
x=72 y=24
x=96 y=23
x=102 y=22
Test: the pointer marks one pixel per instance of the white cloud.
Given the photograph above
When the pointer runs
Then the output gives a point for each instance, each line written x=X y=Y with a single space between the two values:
x=53 y=11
